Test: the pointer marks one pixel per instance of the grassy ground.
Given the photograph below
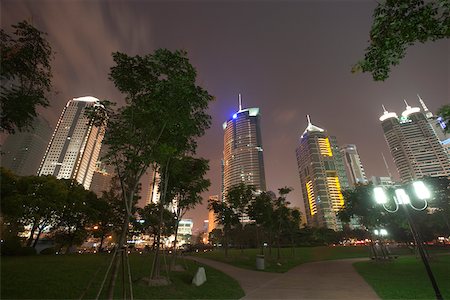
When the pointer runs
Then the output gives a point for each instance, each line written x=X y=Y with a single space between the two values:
x=406 y=278
x=67 y=276
x=289 y=257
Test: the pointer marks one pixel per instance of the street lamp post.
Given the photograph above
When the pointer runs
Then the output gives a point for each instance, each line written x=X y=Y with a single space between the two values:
x=382 y=233
x=401 y=198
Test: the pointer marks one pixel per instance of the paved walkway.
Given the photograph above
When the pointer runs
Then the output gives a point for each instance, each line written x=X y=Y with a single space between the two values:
x=332 y=279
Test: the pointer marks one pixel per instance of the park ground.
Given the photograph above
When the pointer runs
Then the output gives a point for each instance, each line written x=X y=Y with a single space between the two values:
x=76 y=275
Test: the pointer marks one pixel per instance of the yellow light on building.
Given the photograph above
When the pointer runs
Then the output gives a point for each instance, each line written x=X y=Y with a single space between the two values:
x=325 y=147
x=311 y=198
x=334 y=188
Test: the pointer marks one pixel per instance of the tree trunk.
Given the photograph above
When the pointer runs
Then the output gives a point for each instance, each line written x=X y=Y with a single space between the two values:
x=31 y=238
x=116 y=264
x=155 y=266
x=270 y=243
x=174 y=256
x=102 y=239
x=226 y=242
x=38 y=235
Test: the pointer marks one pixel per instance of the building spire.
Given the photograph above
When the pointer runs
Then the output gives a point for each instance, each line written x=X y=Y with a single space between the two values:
x=240 y=102
x=406 y=103
x=428 y=113
x=384 y=109
x=309 y=119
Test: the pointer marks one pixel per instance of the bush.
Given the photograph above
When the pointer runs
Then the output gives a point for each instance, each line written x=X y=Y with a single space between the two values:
x=48 y=251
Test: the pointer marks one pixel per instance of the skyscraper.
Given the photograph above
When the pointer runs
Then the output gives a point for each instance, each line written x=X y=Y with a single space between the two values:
x=101 y=178
x=353 y=166
x=243 y=151
x=153 y=190
x=322 y=177
x=23 y=151
x=75 y=145
x=414 y=145
x=438 y=126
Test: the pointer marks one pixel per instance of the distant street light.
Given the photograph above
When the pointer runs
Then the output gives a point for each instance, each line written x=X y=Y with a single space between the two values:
x=401 y=198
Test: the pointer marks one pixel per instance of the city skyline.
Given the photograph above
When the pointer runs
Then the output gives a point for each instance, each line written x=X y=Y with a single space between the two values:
x=289 y=59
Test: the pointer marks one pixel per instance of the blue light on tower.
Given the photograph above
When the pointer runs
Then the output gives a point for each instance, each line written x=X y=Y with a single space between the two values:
x=234 y=116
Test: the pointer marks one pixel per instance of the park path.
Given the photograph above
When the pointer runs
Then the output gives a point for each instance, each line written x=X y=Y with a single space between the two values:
x=331 y=279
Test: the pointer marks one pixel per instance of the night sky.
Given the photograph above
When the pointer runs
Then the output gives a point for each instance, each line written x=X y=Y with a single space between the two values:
x=288 y=58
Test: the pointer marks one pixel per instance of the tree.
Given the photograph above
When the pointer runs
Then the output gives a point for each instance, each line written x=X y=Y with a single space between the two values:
x=149 y=221
x=10 y=213
x=78 y=214
x=25 y=75
x=185 y=187
x=43 y=199
x=165 y=112
x=261 y=211
x=399 y=24
x=239 y=197
x=111 y=213
x=226 y=216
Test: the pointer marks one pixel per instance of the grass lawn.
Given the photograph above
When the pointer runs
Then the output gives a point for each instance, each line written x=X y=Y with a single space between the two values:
x=67 y=276
x=289 y=258
x=406 y=278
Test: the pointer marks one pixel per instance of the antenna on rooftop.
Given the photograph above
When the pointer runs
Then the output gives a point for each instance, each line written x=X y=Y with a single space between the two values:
x=407 y=105
x=240 y=102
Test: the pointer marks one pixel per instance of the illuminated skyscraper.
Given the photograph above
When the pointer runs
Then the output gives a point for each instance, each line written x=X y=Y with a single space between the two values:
x=243 y=151
x=414 y=145
x=153 y=192
x=75 y=145
x=23 y=151
x=353 y=165
x=322 y=177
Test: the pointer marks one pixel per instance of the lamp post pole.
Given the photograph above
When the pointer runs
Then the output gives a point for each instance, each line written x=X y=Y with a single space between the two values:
x=423 y=256
x=401 y=198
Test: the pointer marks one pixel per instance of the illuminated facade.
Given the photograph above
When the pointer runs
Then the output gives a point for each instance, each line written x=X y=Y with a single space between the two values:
x=75 y=145
x=243 y=151
x=322 y=177
x=353 y=165
x=154 y=194
x=414 y=144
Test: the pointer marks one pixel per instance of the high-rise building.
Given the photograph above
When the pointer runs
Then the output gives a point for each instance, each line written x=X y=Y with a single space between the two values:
x=438 y=125
x=22 y=152
x=101 y=179
x=353 y=166
x=212 y=223
x=243 y=151
x=75 y=145
x=414 y=145
x=153 y=190
x=382 y=181
x=322 y=177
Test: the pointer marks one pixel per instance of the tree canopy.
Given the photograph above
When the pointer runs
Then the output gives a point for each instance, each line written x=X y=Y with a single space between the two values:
x=399 y=24
x=25 y=75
